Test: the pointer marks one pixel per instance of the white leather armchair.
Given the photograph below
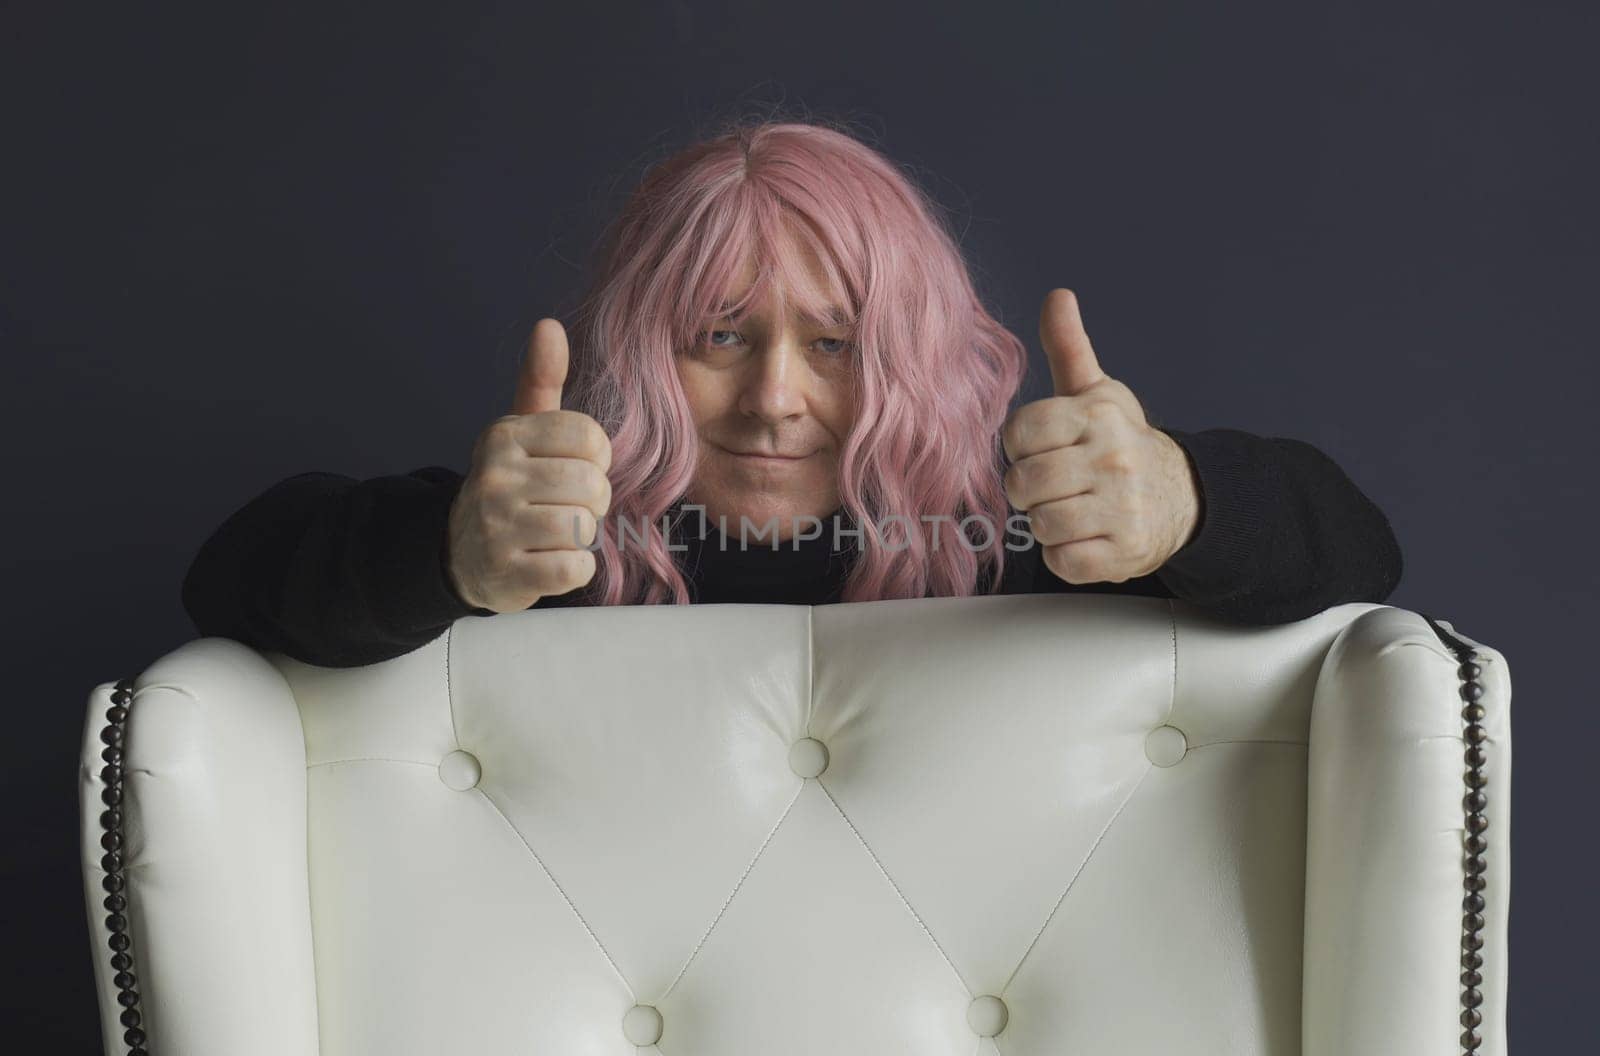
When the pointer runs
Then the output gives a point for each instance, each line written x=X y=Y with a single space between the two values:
x=1043 y=824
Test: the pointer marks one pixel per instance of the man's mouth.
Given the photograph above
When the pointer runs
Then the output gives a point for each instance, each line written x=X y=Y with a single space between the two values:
x=762 y=456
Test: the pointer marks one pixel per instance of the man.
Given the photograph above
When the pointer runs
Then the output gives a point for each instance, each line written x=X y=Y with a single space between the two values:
x=752 y=362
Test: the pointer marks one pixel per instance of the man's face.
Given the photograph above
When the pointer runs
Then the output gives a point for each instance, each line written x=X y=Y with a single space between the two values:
x=768 y=387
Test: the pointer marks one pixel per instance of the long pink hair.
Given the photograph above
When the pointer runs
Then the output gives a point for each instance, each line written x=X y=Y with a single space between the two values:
x=935 y=373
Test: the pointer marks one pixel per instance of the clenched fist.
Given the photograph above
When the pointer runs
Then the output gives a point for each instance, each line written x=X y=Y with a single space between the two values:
x=521 y=525
x=1108 y=496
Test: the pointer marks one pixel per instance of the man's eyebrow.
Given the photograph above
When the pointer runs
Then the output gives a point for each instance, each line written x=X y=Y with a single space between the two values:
x=833 y=315
x=836 y=316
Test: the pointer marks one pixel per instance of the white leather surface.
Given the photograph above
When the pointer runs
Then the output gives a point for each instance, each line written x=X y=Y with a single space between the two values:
x=1030 y=824
x=215 y=856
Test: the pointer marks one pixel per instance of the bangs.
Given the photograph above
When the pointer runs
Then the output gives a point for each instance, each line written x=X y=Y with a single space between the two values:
x=780 y=242
x=788 y=242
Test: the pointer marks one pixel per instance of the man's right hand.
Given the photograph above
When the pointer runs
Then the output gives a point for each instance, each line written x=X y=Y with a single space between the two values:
x=521 y=525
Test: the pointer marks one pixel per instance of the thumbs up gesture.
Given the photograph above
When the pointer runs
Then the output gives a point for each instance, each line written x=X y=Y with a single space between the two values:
x=1108 y=496
x=522 y=523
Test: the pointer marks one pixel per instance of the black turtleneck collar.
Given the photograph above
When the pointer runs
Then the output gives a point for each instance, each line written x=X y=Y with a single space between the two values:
x=762 y=571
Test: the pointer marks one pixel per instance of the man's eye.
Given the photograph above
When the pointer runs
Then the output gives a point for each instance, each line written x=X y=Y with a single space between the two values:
x=839 y=345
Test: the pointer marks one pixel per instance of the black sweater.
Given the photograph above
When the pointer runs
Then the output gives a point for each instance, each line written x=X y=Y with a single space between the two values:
x=340 y=572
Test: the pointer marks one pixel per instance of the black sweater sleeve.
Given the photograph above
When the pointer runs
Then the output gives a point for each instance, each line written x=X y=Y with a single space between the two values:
x=340 y=572
x=331 y=570
x=1283 y=534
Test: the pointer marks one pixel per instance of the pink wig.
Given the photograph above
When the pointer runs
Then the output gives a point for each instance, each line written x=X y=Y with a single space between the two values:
x=935 y=374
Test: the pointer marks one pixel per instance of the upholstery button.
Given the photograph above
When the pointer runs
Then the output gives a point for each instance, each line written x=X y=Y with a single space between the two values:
x=460 y=770
x=987 y=1015
x=808 y=757
x=1165 y=745
x=642 y=1025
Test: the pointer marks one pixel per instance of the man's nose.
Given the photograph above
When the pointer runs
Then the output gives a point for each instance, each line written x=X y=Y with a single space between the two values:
x=775 y=386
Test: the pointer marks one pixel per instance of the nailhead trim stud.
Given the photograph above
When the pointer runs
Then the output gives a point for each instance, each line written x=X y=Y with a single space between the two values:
x=115 y=882
x=1473 y=804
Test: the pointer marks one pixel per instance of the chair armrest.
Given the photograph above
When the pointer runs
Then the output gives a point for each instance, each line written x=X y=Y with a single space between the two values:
x=1385 y=854
x=214 y=856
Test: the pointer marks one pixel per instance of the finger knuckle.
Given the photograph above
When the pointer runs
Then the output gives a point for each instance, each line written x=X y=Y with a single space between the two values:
x=1047 y=526
x=1040 y=528
x=1012 y=436
x=495 y=484
x=1115 y=460
x=549 y=474
x=547 y=523
x=1062 y=563
x=545 y=571
x=567 y=525
x=572 y=429
x=577 y=567
x=595 y=439
x=503 y=433
x=1102 y=411
x=1013 y=482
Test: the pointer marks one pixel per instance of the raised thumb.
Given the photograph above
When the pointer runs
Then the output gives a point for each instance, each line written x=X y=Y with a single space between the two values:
x=544 y=369
x=1073 y=366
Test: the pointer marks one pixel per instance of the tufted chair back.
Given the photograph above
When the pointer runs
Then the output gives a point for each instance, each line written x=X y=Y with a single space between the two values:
x=1031 y=825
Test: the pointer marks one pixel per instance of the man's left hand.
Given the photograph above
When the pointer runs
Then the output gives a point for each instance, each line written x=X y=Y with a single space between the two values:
x=1108 y=496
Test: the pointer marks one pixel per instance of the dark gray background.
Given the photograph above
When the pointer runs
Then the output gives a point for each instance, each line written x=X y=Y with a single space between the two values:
x=243 y=243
